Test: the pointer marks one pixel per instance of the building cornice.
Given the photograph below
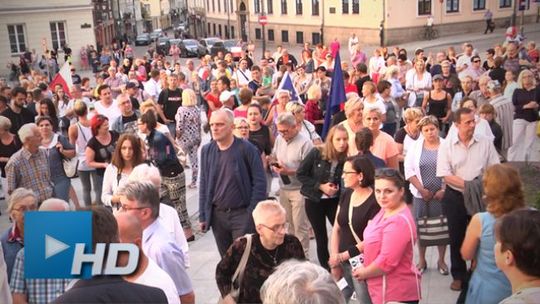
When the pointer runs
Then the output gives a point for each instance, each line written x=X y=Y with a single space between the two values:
x=43 y=9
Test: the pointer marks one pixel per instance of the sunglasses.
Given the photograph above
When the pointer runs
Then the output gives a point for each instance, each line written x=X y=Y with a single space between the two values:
x=387 y=172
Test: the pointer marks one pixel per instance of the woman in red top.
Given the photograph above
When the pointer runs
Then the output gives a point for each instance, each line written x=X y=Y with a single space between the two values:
x=313 y=111
x=212 y=98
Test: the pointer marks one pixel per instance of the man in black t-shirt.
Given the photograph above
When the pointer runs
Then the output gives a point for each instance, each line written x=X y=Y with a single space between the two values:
x=16 y=112
x=363 y=76
x=170 y=100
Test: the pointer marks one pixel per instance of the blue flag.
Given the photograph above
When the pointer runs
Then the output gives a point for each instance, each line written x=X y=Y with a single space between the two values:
x=337 y=95
x=287 y=84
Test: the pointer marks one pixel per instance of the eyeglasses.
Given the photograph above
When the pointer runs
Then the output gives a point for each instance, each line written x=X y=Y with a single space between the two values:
x=242 y=128
x=126 y=208
x=350 y=172
x=277 y=228
x=24 y=208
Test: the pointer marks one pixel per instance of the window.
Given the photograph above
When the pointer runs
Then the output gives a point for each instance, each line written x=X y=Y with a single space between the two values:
x=452 y=6
x=284 y=36
x=505 y=3
x=258 y=34
x=209 y=28
x=284 y=7
x=58 y=34
x=16 y=38
x=214 y=26
x=227 y=36
x=300 y=37
x=424 y=7
x=356 y=7
x=299 y=7
x=257 y=6
x=270 y=7
x=270 y=35
x=208 y=4
x=214 y=5
x=232 y=32
x=479 y=5
x=219 y=6
x=315 y=38
x=524 y=5
x=345 y=6
x=220 y=32
x=315 y=7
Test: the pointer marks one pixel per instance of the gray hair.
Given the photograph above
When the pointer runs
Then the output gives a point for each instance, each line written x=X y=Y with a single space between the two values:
x=146 y=172
x=286 y=119
x=300 y=283
x=18 y=195
x=5 y=123
x=26 y=131
x=229 y=115
x=54 y=204
x=371 y=110
x=265 y=209
x=144 y=193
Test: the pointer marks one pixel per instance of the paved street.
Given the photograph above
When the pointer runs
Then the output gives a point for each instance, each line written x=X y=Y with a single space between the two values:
x=203 y=252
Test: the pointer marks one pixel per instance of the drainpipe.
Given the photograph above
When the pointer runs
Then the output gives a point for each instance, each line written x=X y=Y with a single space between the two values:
x=383 y=24
x=322 y=22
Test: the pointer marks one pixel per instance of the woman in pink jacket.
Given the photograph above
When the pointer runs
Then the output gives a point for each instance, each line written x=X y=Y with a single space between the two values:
x=388 y=245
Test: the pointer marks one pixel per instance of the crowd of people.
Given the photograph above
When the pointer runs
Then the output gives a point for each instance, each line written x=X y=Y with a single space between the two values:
x=418 y=143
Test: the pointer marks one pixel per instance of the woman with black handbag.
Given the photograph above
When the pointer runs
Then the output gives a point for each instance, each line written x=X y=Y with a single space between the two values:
x=428 y=190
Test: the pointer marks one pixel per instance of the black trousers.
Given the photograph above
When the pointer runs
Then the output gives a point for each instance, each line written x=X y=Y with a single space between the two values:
x=489 y=26
x=317 y=213
x=458 y=219
x=228 y=225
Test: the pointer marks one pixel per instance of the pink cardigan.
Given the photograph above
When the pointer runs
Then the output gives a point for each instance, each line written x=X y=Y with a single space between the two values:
x=387 y=243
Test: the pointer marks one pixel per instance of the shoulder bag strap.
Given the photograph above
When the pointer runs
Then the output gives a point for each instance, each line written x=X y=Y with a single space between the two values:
x=82 y=131
x=358 y=241
x=239 y=273
x=412 y=248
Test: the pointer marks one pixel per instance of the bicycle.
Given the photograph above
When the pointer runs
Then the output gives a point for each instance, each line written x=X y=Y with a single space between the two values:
x=429 y=33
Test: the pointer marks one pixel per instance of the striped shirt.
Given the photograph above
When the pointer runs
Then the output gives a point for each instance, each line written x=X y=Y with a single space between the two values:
x=31 y=171
x=505 y=118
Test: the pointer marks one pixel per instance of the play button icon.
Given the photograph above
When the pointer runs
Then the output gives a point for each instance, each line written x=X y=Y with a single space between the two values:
x=53 y=246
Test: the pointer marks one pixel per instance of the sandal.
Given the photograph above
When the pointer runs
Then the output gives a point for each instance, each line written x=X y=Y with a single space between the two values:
x=420 y=268
x=443 y=269
x=192 y=185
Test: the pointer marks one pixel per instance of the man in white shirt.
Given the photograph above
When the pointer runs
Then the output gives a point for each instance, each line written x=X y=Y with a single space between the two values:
x=242 y=74
x=141 y=199
x=464 y=61
x=106 y=105
x=353 y=41
x=153 y=86
x=148 y=272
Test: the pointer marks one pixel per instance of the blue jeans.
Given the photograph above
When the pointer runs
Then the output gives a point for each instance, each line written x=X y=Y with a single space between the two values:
x=61 y=187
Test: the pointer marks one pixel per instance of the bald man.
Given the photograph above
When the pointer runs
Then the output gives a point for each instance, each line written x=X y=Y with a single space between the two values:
x=148 y=272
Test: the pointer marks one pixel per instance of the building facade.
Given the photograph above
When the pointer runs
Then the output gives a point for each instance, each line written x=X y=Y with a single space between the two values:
x=299 y=21
x=104 y=22
x=127 y=14
x=42 y=25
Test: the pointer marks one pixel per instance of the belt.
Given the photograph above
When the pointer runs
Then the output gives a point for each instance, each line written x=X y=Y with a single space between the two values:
x=228 y=210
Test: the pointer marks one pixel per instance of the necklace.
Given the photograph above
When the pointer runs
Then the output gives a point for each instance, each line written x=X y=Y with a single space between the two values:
x=273 y=257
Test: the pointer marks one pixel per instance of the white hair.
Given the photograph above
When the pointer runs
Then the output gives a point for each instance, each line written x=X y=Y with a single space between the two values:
x=146 y=172
x=266 y=208
x=286 y=119
x=26 y=131
x=229 y=115
x=54 y=204
x=19 y=194
x=300 y=283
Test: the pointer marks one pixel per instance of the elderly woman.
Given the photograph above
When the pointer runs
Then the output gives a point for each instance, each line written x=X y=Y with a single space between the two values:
x=427 y=189
x=283 y=97
x=313 y=111
x=526 y=100
x=388 y=245
x=517 y=254
x=58 y=148
x=357 y=206
x=503 y=194
x=269 y=246
x=320 y=174
x=127 y=155
x=161 y=152
x=307 y=129
x=418 y=82
x=188 y=131
x=384 y=145
x=354 y=122
x=99 y=149
x=20 y=201
x=9 y=144
x=302 y=82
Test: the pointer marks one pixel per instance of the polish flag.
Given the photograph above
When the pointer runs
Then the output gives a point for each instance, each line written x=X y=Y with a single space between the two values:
x=63 y=78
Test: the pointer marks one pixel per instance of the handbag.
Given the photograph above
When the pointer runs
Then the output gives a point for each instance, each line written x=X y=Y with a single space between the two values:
x=232 y=296
x=70 y=166
x=432 y=231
